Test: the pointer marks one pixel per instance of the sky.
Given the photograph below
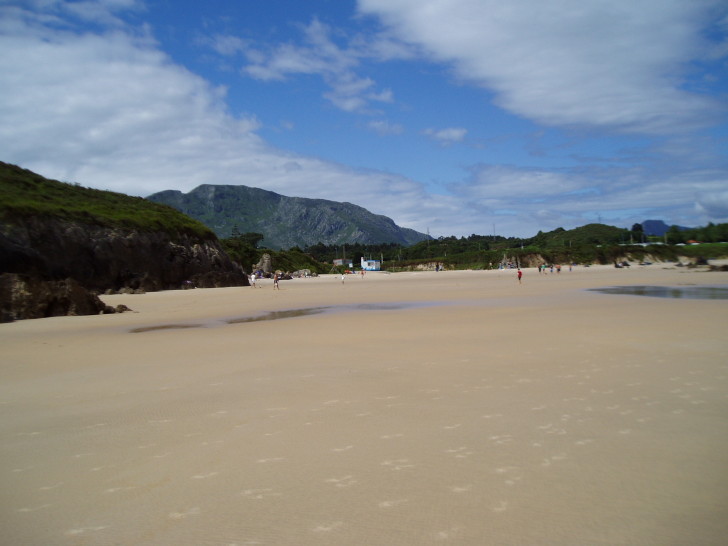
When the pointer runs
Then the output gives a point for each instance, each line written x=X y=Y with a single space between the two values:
x=452 y=117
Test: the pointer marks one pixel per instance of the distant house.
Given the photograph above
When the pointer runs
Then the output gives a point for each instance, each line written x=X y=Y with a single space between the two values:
x=371 y=265
x=344 y=262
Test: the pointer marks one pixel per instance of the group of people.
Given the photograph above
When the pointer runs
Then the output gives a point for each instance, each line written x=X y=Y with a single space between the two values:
x=543 y=267
x=254 y=278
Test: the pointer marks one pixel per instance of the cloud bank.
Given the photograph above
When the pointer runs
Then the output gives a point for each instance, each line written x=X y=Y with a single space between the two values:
x=88 y=97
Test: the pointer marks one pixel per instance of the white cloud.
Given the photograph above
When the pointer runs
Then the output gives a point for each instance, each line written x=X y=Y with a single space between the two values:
x=226 y=45
x=501 y=182
x=714 y=205
x=113 y=112
x=319 y=55
x=571 y=197
x=605 y=63
x=383 y=127
x=447 y=136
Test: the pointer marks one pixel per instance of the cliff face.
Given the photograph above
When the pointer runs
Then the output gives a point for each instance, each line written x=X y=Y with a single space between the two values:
x=61 y=244
x=51 y=267
x=101 y=258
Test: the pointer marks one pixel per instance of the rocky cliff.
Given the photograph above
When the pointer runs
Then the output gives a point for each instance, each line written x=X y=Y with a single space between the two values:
x=61 y=244
x=102 y=258
x=44 y=254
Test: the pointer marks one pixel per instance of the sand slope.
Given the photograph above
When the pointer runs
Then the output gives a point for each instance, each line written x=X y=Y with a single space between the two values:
x=472 y=411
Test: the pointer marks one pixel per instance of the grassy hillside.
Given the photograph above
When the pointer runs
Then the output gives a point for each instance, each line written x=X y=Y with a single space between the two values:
x=25 y=194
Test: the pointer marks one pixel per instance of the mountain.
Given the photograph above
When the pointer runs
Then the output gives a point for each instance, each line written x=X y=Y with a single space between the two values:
x=285 y=222
x=658 y=227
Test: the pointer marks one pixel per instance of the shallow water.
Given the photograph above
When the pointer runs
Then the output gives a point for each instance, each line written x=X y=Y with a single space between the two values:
x=684 y=292
x=277 y=315
x=294 y=313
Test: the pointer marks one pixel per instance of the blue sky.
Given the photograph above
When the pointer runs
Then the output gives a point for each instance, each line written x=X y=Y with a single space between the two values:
x=449 y=116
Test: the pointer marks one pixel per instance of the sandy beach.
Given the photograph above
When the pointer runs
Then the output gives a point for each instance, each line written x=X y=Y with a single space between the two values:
x=395 y=409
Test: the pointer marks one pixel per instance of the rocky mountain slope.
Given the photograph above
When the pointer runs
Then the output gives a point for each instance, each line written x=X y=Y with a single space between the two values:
x=284 y=221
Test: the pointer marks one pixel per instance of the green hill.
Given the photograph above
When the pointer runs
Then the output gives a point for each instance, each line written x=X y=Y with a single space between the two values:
x=590 y=234
x=24 y=194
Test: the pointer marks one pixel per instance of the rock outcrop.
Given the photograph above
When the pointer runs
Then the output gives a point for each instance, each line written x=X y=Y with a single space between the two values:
x=25 y=297
x=101 y=258
x=265 y=265
x=53 y=263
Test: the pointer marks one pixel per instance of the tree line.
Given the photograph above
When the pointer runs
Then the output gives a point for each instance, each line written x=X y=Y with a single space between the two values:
x=592 y=243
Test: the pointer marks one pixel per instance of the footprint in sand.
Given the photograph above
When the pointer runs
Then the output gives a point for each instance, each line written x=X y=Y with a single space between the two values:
x=502 y=506
x=204 y=476
x=327 y=527
x=392 y=503
x=397 y=464
x=82 y=530
x=181 y=515
x=117 y=489
x=554 y=458
x=345 y=481
x=448 y=533
x=460 y=452
x=258 y=494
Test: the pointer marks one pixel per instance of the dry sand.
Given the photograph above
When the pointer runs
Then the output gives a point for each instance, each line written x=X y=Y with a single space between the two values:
x=473 y=411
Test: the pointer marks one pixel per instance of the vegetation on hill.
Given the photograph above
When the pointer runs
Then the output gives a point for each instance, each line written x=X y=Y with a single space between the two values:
x=243 y=248
x=592 y=243
x=24 y=194
x=284 y=221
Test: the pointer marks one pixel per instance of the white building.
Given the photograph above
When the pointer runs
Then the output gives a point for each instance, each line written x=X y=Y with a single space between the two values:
x=371 y=265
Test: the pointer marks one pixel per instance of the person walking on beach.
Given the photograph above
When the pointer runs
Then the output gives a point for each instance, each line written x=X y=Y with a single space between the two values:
x=275 y=282
x=520 y=274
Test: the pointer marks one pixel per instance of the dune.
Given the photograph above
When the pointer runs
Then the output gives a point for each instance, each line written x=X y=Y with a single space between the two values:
x=457 y=407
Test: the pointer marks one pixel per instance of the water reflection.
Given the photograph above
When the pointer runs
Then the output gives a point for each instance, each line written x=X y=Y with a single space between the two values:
x=164 y=327
x=293 y=313
x=277 y=315
x=685 y=292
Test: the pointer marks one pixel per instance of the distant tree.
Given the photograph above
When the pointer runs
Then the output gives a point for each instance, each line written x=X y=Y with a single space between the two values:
x=243 y=248
x=675 y=235
x=638 y=234
x=252 y=238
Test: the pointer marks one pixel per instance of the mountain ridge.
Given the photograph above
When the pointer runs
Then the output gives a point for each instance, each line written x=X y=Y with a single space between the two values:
x=285 y=222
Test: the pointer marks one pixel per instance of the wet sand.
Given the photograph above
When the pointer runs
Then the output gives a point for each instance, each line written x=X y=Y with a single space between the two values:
x=463 y=408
